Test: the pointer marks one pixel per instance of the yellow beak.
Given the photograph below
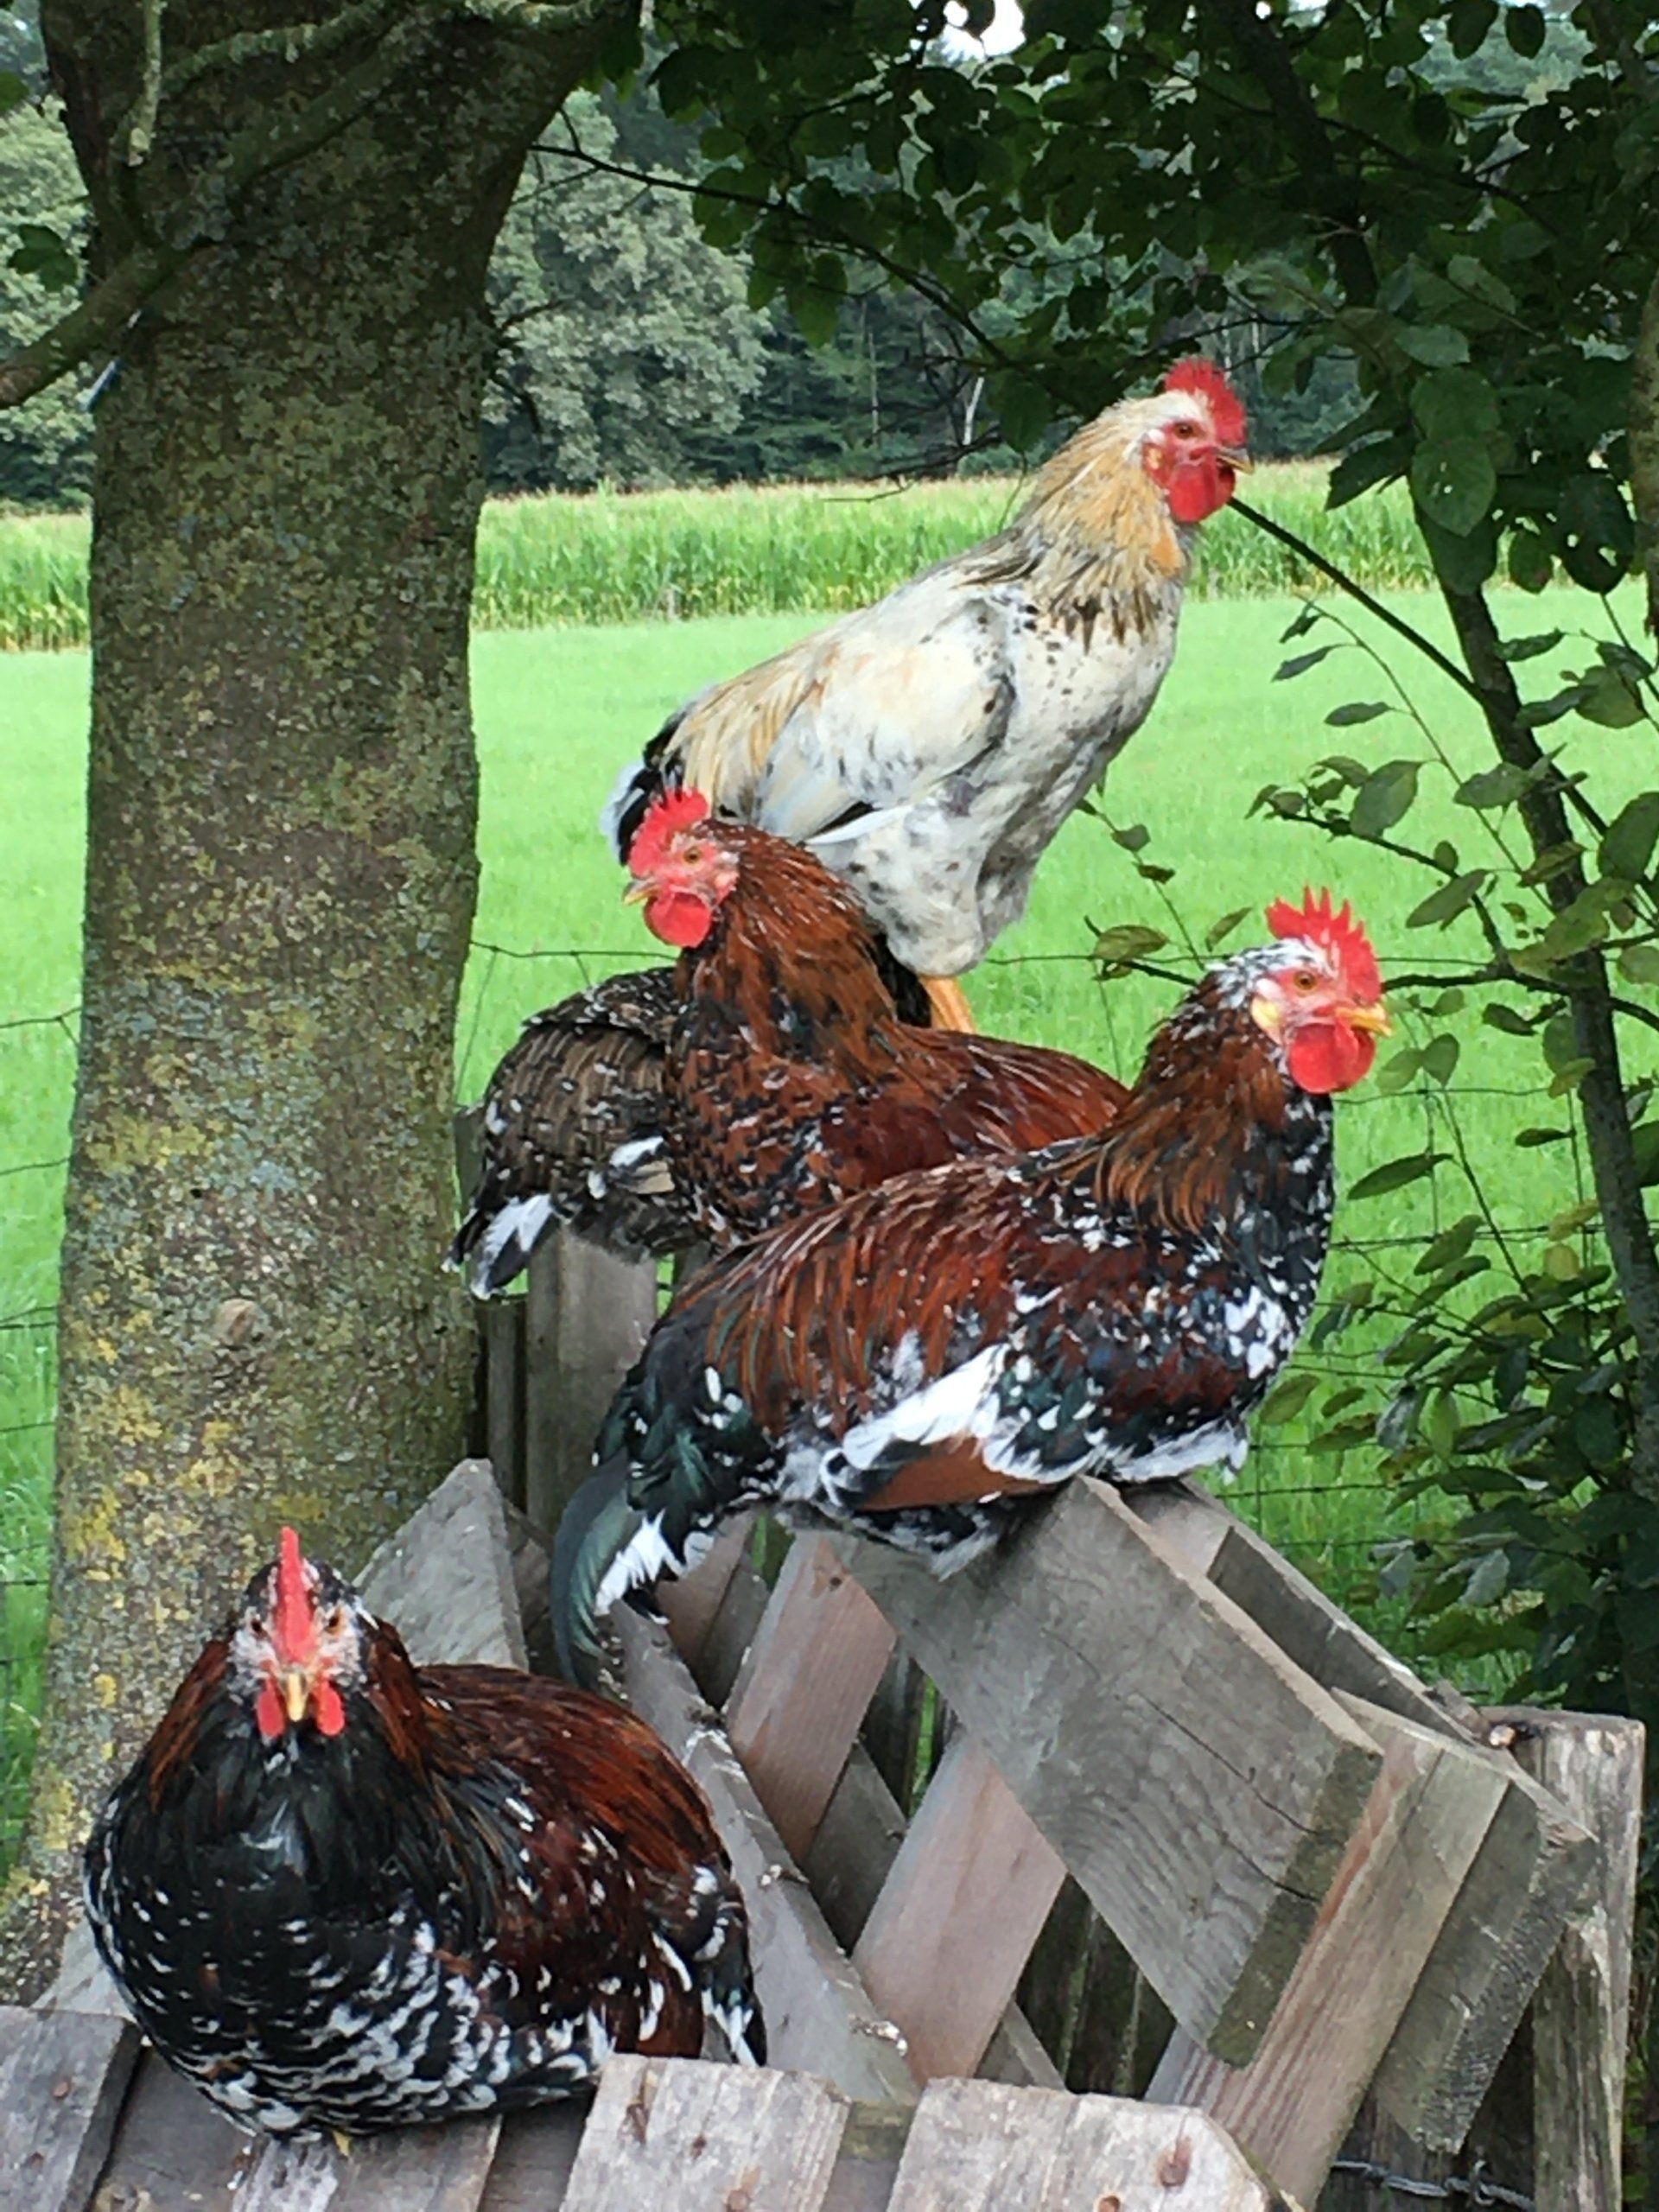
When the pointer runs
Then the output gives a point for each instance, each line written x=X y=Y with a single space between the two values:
x=637 y=894
x=1374 y=1019
x=296 y=1692
x=1235 y=458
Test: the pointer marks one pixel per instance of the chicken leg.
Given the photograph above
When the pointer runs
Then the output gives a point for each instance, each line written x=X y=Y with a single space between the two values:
x=951 y=1007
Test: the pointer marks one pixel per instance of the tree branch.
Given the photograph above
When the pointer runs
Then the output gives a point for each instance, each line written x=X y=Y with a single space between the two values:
x=254 y=154
x=1644 y=444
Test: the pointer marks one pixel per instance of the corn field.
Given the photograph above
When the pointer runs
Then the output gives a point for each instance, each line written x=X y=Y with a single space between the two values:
x=566 y=559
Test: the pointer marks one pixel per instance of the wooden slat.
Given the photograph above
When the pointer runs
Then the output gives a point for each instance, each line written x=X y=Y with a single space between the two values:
x=1533 y=1860
x=892 y=1725
x=811 y=1669
x=535 y=2158
x=1593 y=1763
x=415 y=2170
x=445 y=1580
x=1199 y=1786
x=819 y=2016
x=979 y=2146
x=1294 y=1612
x=172 y=2148
x=850 y=1858
x=503 y=1323
x=587 y=1316
x=672 y=2132
x=1291 y=2107
x=62 y=2077
x=690 y=1604
x=958 y=1915
x=1531 y=1869
x=726 y=1640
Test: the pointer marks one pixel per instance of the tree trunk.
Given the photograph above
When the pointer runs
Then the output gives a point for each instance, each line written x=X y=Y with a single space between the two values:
x=1644 y=446
x=281 y=868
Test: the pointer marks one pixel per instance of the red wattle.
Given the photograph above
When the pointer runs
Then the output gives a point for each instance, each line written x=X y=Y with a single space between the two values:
x=1198 y=487
x=326 y=1710
x=679 y=918
x=1328 y=1056
x=268 y=1712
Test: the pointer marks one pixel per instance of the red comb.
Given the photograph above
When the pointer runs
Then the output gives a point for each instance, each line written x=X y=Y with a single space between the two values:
x=1209 y=380
x=672 y=812
x=293 y=1628
x=1316 y=920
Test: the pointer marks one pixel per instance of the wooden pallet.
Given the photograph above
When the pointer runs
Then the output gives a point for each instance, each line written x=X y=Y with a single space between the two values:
x=1335 y=1885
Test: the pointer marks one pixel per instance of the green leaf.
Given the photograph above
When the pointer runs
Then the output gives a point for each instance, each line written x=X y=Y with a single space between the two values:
x=1132 y=838
x=1394 y=1174
x=1628 y=846
x=1499 y=786
x=1438 y=1424
x=1218 y=931
x=1607 y=697
x=1455 y=404
x=1287 y=1399
x=1454 y=479
x=1489 y=1581
x=1639 y=964
x=1468 y=23
x=1299 y=663
x=1442 y=905
x=1440 y=1056
x=1544 y=641
x=1398 y=1071
x=1524 y=27
x=1497 y=1016
x=1128 y=941
x=1531 y=1140
x=1433 y=344
x=1449 y=1246
x=13 y=91
x=1474 y=278
x=1357 y=710
x=1385 y=798
x=1531 y=564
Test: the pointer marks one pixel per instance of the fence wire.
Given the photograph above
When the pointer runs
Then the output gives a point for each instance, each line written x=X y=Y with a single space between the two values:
x=1329 y=1511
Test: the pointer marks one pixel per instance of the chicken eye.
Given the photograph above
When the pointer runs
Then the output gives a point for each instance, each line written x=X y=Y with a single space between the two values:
x=1305 y=979
x=1186 y=430
x=692 y=854
x=335 y=1624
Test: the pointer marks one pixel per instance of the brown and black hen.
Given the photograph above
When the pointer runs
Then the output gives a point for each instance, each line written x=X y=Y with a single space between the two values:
x=342 y=1891
x=768 y=1074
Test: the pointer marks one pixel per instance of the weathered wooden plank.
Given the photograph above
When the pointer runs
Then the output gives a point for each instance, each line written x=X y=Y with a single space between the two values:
x=819 y=2016
x=811 y=1669
x=1200 y=1786
x=673 y=2131
x=690 y=1605
x=535 y=2158
x=62 y=2077
x=972 y=1866
x=587 y=1316
x=171 y=2147
x=1532 y=1867
x=415 y=2170
x=1291 y=2107
x=445 y=1580
x=867 y=2163
x=729 y=1634
x=980 y=2146
x=503 y=1323
x=1593 y=1763
x=1300 y=1619
x=850 y=1858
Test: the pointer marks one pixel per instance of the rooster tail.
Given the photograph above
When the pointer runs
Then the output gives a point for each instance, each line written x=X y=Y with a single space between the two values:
x=606 y=1550
x=640 y=782
x=495 y=1242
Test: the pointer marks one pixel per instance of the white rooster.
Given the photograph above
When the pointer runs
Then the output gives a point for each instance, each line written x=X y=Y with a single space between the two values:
x=928 y=747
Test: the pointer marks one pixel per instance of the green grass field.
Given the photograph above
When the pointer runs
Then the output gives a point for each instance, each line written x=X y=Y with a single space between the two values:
x=558 y=709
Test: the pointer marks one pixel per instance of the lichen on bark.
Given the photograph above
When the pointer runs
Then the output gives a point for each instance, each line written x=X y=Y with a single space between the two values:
x=280 y=867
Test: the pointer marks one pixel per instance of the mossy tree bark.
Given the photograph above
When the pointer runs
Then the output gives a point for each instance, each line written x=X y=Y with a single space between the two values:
x=281 y=868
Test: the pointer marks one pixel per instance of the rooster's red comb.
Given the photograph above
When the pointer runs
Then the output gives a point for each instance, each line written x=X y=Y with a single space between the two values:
x=665 y=818
x=1209 y=380
x=1320 y=924
x=294 y=1621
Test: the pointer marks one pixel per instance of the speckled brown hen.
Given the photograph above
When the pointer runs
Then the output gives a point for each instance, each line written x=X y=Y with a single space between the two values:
x=923 y=1361
x=342 y=1891
x=775 y=1074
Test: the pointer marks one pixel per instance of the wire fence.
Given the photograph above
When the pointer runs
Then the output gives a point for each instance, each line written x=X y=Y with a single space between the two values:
x=1330 y=1509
